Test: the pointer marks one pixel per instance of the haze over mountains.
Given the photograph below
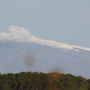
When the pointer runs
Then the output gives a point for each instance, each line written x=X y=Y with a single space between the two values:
x=21 y=51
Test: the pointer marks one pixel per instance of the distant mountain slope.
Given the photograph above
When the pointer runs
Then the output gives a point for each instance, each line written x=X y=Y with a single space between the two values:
x=22 y=51
x=20 y=34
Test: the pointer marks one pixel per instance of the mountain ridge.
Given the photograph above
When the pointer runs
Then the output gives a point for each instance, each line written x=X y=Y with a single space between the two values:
x=21 y=51
x=21 y=34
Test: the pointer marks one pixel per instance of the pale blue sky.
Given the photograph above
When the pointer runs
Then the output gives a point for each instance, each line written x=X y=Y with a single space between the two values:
x=66 y=21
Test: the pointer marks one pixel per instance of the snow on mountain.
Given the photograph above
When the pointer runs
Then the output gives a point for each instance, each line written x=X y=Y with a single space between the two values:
x=20 y=34
x=21 y=51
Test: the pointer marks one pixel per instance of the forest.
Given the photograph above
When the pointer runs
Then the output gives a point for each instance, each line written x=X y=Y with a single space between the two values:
x=43 y=81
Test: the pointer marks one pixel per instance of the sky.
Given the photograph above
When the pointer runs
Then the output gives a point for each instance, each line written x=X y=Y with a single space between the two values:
x=66 y=21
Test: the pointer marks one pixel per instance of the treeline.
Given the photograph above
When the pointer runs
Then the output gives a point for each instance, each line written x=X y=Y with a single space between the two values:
x=42 y=81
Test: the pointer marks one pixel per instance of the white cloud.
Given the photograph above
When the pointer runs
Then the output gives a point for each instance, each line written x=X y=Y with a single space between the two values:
x=15 y=33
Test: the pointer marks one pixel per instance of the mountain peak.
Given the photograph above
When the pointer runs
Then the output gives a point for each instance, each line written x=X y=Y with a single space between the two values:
x=15 y=33
x=21 y=34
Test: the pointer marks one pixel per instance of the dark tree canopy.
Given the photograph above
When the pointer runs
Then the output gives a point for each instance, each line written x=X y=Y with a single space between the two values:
x=42 y=81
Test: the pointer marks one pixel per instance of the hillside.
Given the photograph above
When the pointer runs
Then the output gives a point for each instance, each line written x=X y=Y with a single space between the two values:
x=21 y=51
x=43 y=81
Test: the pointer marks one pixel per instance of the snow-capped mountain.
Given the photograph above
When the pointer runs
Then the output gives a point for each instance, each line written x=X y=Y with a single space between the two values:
x=22 y=51
x=20 y=34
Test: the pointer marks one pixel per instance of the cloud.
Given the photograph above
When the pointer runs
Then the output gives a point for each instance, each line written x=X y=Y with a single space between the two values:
x=15 y=33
